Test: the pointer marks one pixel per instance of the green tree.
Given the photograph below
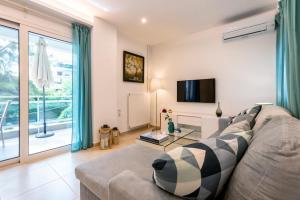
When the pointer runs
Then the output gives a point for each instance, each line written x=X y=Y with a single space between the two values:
x=9 y=55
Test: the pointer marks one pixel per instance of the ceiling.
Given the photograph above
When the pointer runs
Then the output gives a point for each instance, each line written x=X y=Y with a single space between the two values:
x=166 y=19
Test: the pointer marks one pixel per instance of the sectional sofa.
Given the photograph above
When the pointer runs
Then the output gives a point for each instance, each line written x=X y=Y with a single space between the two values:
x=270 y=168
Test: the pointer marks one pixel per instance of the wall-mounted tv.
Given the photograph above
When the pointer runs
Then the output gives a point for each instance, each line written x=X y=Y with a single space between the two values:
x=202 y=91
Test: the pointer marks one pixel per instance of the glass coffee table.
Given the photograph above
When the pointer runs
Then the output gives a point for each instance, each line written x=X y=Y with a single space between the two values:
x=187 y=136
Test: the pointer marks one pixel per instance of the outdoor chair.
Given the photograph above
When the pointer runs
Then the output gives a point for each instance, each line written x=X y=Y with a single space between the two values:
x=2 y=120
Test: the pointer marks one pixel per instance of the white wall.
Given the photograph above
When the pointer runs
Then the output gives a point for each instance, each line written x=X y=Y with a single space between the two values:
x=109 y=90
x=124 y=88
x=104 y=75
x=244 y=69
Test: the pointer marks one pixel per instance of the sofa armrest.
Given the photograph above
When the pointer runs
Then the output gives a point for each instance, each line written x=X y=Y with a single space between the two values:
x=223 y=123
x=128 y=186
x=215 y=134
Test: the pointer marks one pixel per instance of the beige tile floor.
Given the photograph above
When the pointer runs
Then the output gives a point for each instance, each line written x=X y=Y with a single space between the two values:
x=52 y=178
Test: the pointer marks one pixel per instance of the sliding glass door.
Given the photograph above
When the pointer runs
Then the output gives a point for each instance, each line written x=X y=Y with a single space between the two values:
x=50 y=96
x=34 y=119
x=9 y=93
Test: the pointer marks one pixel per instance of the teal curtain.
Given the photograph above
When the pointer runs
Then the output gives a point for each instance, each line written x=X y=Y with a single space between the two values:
x=82 y=137
x=288 y=56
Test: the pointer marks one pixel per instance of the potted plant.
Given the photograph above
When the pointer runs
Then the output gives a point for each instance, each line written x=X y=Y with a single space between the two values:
x=171 y=126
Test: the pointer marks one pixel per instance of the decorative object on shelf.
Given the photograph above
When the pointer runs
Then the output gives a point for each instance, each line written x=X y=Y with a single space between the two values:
x=171 y=126
x=105 y=137
x=219 y=111
x=115 y=135
x=133 y=67
x=164 y=115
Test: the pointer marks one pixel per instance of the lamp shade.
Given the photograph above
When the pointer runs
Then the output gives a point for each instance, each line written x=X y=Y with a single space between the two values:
x=155 y=84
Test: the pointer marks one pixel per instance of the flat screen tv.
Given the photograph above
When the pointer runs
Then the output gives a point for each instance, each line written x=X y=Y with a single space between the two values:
x=202 y=91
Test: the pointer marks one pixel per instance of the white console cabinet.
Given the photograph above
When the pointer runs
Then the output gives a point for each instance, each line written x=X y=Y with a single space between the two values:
x=207 y=124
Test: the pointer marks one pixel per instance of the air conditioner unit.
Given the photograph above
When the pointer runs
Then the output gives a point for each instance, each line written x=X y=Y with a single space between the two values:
x=249 y=31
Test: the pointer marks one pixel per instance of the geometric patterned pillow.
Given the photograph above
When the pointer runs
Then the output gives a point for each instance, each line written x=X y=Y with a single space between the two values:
x=200 y=170
x=249 y=115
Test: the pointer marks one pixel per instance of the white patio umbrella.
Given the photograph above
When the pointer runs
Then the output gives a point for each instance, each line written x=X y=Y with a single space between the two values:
x=42 y=76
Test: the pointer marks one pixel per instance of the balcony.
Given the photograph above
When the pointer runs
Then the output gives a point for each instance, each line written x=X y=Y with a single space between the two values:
x=59 y=121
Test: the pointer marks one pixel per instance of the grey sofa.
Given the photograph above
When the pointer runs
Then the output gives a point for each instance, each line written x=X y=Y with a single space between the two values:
x=270 y=169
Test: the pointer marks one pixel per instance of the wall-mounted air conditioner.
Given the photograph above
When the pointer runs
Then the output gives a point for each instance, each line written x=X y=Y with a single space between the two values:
x=249 y=31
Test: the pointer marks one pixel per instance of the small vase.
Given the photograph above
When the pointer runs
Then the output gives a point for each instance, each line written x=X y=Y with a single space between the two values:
x=219 y=111
x=171 y=127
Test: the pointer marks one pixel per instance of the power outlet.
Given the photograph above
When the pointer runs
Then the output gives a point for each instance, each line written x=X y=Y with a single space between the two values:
x=119 y=112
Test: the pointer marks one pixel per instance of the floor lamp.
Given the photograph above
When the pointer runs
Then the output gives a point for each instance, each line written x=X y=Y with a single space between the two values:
x=155 y=86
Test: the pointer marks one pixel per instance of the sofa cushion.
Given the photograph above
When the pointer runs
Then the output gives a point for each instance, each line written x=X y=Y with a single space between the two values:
x=237 y=127
x=270 y=168
x=138 y=189
x=266 y=114
x=248 y=114
x=96 y=174
x=199 y=170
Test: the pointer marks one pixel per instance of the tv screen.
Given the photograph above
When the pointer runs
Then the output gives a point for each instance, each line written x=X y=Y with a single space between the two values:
x=202 y=90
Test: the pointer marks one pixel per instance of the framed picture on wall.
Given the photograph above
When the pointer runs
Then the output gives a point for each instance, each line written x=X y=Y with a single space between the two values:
x=133 y=67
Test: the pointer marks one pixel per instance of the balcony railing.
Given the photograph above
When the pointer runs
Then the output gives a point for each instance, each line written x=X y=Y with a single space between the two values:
x=58 y=114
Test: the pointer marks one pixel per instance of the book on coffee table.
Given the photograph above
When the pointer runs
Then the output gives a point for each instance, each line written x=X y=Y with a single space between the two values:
x=155 y=138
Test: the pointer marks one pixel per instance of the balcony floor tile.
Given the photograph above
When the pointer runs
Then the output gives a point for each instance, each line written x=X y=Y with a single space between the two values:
x=11 y=149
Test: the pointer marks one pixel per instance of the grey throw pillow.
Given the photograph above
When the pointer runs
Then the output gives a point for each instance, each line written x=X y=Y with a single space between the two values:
x=199 y=171
x=271 y=167
x=266 y=114
x=237 y=127
x=248 y=114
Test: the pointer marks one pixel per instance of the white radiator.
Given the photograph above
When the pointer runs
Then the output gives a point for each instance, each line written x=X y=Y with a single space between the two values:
x=138 y=109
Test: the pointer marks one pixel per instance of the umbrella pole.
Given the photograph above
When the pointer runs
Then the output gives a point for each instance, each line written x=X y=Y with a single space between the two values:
x=44 y=110
x=44 y=134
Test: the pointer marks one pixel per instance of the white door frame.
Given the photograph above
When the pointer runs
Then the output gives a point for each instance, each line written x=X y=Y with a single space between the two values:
x=15 y=26
x=24 y=31
x=24 y=94
x=25 y=156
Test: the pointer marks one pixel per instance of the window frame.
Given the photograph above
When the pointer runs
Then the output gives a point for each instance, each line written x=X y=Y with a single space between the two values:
x=14 y=26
